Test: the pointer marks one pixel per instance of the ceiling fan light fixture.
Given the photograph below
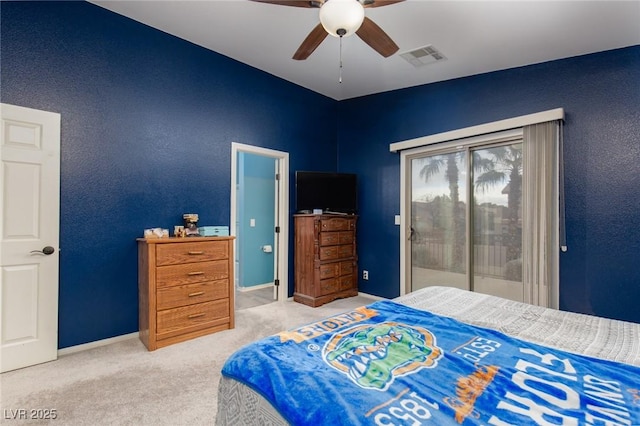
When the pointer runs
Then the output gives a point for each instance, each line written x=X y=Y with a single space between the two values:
x=341 y=18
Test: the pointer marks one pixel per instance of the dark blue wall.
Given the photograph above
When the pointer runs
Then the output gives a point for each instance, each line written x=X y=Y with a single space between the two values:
x=147 y=125
x=148 y=121
x=601 y=97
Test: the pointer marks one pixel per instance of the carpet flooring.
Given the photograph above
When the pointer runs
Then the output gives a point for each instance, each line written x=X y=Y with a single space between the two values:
x=251 y=298
x=124 y=384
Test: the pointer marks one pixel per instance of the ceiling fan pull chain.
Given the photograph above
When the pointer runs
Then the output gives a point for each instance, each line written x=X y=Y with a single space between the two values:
x=340 y=78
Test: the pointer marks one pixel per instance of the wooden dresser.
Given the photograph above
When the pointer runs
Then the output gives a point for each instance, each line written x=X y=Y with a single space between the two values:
x=325 y=258
x=185 y=288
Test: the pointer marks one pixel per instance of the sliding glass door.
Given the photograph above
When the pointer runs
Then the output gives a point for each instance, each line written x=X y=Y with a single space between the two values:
x=438 y=221
x=466 y=218
x=497 y=221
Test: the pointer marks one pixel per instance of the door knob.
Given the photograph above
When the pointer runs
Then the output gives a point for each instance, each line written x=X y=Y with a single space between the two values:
x=47 y=250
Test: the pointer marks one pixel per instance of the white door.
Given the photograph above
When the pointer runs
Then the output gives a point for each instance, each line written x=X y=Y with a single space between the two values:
x=29 y=232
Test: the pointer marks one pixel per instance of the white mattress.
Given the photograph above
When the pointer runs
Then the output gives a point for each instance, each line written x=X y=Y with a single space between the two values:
x=583 y=334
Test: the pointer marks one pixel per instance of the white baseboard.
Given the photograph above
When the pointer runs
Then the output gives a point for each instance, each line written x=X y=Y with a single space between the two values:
x=96 y=344
x=254 y=287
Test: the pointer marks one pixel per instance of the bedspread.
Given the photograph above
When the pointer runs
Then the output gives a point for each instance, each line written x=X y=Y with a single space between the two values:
x=387 y=363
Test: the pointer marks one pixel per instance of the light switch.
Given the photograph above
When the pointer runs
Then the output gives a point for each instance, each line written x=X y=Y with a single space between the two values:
x=252 y=223
x=397 y=219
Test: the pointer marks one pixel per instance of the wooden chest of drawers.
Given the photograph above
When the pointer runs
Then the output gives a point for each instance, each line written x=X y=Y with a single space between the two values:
x=185 y=288
x=325 y=257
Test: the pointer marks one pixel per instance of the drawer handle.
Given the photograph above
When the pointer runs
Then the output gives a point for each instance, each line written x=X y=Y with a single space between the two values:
x=195 y=273
x=195 y=253
x=197 y=293
x=192 y=316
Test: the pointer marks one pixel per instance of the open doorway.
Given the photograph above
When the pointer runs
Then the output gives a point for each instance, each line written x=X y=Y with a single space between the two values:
x=259 y=207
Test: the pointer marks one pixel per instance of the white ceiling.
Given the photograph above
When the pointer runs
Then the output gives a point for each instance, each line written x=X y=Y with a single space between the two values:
x=474 y=36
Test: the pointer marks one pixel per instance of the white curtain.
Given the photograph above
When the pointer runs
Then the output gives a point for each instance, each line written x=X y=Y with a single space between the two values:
x=541 y=190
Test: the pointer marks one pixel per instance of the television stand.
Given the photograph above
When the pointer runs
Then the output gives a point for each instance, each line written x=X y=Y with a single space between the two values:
x=325 y=258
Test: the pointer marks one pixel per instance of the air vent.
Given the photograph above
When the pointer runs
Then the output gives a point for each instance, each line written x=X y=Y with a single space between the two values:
x=423 y=56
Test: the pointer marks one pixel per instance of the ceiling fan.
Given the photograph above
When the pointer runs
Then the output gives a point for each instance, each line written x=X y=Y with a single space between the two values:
x=341 y=18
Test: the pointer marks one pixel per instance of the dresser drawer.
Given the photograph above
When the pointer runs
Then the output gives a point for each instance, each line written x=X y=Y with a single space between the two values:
x=191 y=273
x=329 y=270
x=174 y=254
x=346 y=282
x=345 y=251
x=346 y=237
x=346 y=268
x=174 y=296
x=335 y=252
x=328 y=253
x=193 y=315
x=327 y=287
x=329 y=238
x=335 y=238
x=337 y=224
x=332 y=270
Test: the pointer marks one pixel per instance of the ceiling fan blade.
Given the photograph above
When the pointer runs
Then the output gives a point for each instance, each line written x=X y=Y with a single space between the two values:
x=379 y=3
x=295 y=3
x=313 y=40
x=373 y=35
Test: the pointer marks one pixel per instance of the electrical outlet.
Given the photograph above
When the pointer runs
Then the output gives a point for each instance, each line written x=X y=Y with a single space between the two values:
x=365 y=275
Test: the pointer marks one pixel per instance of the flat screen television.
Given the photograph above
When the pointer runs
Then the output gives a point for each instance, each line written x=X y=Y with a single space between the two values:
x=329 y=192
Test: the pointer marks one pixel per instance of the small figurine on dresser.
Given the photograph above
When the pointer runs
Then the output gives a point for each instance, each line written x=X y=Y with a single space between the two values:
x=191 y=224
x=178 y=231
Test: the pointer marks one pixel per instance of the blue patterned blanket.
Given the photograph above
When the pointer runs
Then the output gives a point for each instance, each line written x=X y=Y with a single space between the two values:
x=387 y=363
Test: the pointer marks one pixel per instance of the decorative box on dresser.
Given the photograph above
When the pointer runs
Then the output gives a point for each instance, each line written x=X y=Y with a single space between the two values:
x=325 y=258
x=185 y=288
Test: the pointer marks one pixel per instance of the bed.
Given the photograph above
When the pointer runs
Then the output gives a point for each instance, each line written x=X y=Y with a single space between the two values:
x=439 y=356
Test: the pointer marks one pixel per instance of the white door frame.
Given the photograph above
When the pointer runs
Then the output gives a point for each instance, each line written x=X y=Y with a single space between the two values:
x=282 y=243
